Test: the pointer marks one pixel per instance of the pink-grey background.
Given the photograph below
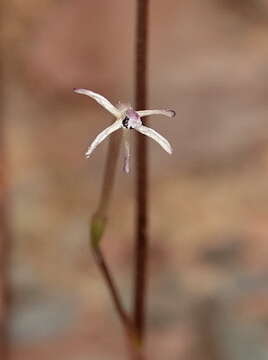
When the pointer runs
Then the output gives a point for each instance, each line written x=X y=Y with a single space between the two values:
x=208 y=292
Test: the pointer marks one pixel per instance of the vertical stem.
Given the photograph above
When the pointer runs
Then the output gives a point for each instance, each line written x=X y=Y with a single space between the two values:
x=141 y=241
x=4 y=233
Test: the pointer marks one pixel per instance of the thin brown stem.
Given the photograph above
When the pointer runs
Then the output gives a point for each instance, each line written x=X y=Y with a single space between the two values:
x=135 y=351
x=107 y=275
x=135 y=330
x=141 y=242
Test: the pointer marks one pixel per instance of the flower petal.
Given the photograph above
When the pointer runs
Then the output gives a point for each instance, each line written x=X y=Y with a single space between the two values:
x=169 y=113
x=155 y=136
x=103 y=135
x=101 y=100
x=126 y=166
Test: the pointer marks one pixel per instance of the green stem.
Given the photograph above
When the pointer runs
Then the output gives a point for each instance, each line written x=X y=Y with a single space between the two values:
x=97 y=228
x=107 y=275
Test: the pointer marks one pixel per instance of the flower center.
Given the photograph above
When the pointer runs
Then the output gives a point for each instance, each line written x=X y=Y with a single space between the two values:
x=131 y=120
x=125 y=122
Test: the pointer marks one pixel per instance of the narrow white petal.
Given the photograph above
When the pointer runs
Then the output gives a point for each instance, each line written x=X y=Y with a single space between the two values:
x=101 y=100
x=157 y=137
x=169 y=113
x=126 y=166
x=103 y=135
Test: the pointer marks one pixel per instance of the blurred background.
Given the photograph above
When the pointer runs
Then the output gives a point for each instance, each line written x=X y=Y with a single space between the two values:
x=208 y=288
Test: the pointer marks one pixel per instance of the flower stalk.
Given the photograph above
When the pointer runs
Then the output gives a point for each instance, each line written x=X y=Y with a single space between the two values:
x=98 y=224
x=97 y=229
x=141 y=241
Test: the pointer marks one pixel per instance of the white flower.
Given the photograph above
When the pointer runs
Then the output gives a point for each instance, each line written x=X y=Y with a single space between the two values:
x=127 y=119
